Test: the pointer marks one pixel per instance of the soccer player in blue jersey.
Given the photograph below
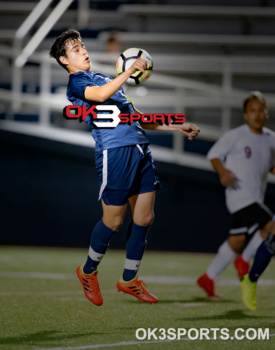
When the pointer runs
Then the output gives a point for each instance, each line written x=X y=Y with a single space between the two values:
x=123 y=162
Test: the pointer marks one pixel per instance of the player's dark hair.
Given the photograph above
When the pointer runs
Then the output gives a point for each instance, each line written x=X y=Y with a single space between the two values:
x=254 y=95
x=59 y=46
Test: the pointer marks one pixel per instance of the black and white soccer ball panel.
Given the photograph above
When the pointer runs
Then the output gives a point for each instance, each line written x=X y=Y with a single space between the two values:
x=127 y=58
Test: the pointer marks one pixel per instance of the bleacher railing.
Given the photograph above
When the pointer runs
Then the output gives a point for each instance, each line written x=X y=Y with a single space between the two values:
x=164 y=90
x=178 y=92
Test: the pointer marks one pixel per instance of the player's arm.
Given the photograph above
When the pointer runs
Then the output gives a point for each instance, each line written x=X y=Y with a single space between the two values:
x=102 y=93
x=218 y=153
x=272 y=170
x=187 y=129
x=227 y=178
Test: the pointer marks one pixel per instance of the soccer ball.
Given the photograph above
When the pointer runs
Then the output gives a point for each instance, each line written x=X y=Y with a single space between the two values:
x=127 y=58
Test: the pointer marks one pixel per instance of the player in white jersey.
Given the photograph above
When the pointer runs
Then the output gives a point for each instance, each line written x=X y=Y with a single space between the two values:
x=248 y=154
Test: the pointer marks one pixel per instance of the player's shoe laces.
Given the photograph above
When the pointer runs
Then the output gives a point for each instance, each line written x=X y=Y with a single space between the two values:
x=136 y=288
x=90 y=285
x=242 y=266
x=248 y=293
x=207 y=284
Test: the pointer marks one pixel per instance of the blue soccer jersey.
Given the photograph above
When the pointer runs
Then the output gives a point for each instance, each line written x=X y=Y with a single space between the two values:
x=123 y=134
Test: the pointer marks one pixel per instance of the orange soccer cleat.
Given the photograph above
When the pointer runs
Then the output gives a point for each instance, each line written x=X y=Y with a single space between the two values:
x=135 y=288
x=90 y=285
x=207 y=284
x=242 y=266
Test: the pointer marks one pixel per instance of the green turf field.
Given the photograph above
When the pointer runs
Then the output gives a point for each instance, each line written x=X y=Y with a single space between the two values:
x=43 y=306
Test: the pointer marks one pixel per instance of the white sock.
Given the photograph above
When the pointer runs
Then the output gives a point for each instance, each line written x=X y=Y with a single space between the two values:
x=223 y=258
x=250 y=250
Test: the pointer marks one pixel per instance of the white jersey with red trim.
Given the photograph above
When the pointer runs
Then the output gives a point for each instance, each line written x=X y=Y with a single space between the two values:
x=249 y=156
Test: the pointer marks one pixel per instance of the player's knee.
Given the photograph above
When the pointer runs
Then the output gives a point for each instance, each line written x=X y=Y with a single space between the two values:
x=145 y=220
x=148 y=220
x=270 y=243
x=267 y=228
x=237 y=242
x=116 y=223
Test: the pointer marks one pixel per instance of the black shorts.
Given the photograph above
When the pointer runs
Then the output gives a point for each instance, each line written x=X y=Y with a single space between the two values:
x=250 y=219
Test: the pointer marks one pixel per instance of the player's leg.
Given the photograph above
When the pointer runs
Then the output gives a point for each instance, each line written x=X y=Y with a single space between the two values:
x=102 y=233
x=261 y=261
x=251 y=248
x=111 y=170
x=259 y=222
x=227 y=252
x=142 y=206
x=263 y=257
x=141 y=197
x=242 y=261
x=245 y=222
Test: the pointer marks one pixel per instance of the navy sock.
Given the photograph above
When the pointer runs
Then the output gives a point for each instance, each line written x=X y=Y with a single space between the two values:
x=135 y=247
x=100 y=238
x=262 y=259
x=129 y=231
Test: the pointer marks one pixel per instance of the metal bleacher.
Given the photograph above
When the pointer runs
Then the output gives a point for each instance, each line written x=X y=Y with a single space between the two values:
x=206 y=59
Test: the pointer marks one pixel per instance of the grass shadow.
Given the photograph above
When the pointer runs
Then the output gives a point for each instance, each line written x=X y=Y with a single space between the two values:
x=228 y=315
x=43 y=337
x=190 y=300
x=196 y=300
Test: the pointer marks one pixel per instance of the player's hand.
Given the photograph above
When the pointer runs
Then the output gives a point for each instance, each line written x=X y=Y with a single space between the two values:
x=227 y=178
x=140 y=64
x=190 y=130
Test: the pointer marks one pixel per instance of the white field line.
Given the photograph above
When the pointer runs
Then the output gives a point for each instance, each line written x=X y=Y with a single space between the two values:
x=98 y=346
x=180 y=280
